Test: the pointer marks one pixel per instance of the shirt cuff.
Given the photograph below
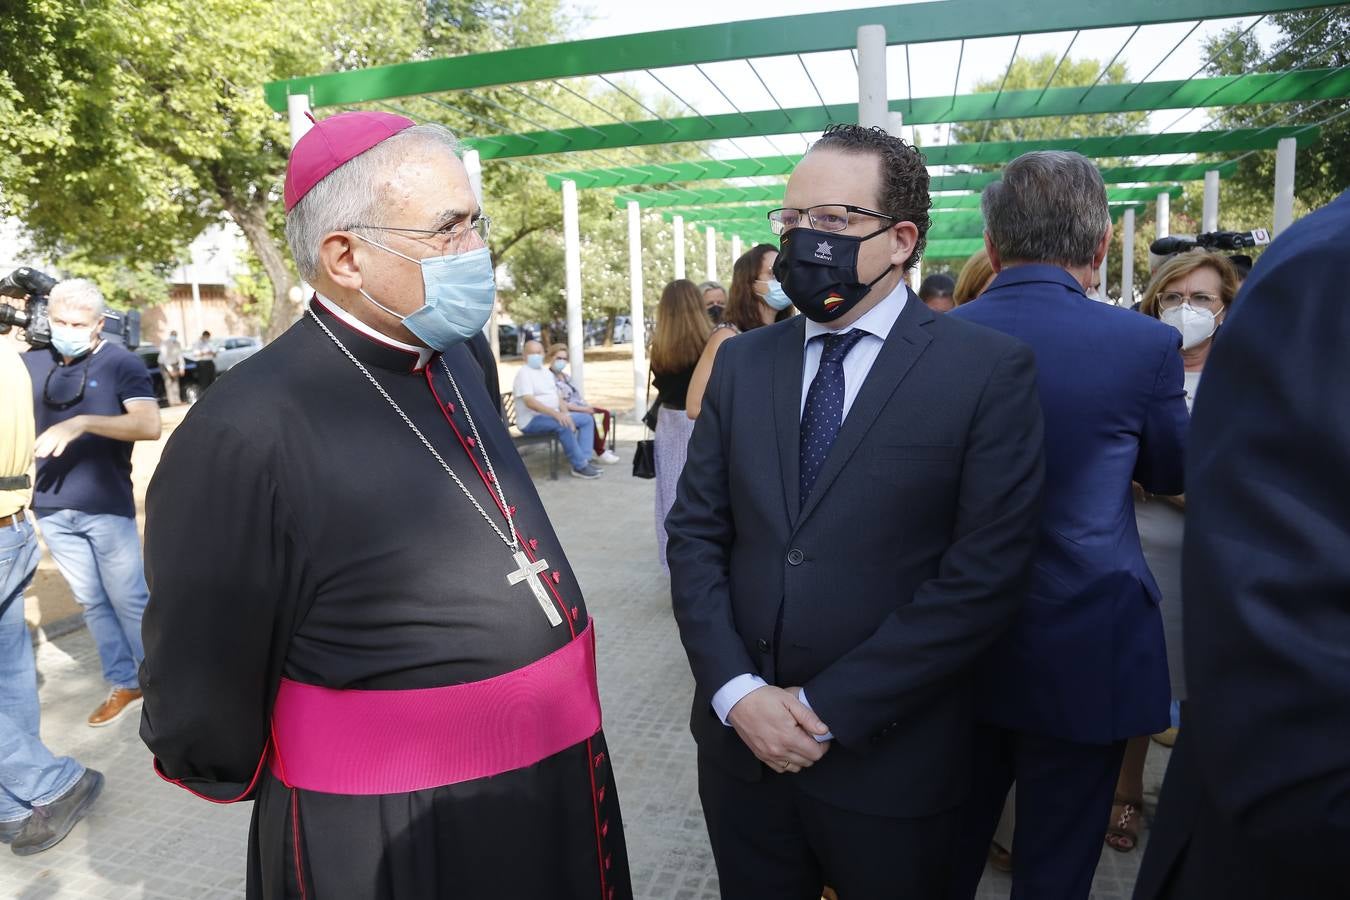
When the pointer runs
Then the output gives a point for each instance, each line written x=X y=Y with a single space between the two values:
x=731 y=693
x=820 y=738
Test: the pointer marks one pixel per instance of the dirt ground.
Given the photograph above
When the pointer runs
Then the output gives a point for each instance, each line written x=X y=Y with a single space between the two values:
x=48 y=604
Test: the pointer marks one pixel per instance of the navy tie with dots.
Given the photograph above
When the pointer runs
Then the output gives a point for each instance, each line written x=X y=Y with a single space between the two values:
x=824 y=411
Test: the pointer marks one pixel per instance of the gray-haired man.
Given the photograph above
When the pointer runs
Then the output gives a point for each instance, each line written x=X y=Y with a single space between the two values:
x=92 y=400
x=1083 y=667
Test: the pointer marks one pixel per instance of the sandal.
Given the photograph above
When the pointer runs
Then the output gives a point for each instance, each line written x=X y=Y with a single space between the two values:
x=1122 y=834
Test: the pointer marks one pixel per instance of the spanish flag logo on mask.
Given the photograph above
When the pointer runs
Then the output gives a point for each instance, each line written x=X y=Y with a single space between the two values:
x=832 y=301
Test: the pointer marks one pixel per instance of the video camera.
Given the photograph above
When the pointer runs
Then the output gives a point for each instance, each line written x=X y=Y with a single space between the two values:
x=1214 y=240
x=33 y=287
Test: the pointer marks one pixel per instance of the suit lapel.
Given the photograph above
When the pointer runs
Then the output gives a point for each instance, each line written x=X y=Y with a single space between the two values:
x=902 y=348
x=787 y=405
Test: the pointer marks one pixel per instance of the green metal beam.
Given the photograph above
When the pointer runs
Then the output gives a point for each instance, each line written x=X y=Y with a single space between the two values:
x=780 y=36
x=773 y=193
x=991 y=153
x=954 y=249
x=1262 y=87
x=732 y=217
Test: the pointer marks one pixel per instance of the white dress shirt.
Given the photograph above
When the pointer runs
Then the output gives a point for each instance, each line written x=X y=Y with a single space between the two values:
x=424 y=354
x=877 y=322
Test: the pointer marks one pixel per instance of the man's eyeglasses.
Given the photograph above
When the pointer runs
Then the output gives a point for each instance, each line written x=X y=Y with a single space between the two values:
x=827 y=217
x=65 y=404
x=456 y=231
x=1171 y=300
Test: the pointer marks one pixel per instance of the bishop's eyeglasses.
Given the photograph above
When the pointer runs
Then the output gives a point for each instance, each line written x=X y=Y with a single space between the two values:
x=451 y=233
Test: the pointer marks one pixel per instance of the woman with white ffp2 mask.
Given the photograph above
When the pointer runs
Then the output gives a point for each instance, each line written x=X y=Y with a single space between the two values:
x=1191 y=292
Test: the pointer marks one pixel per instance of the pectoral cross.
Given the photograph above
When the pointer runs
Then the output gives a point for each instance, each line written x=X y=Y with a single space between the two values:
x=529 y=572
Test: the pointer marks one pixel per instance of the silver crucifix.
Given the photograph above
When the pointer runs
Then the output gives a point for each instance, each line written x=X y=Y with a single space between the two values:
x=529 y=571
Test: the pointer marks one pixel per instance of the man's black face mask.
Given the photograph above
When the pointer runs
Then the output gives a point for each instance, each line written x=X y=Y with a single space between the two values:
x=819 y=271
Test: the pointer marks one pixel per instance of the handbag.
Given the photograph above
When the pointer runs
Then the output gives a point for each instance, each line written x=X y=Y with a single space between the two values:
x=644 y=455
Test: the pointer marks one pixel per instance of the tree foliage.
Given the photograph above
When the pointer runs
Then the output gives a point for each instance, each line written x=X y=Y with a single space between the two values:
x=130 y=126
x=1036 y=73
x=1314 y=38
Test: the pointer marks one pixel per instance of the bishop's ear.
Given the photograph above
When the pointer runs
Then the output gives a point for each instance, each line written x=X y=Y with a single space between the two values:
x=338 y=262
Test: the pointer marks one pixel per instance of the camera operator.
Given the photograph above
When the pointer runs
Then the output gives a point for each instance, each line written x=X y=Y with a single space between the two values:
x=92 y=400
x=32 y=777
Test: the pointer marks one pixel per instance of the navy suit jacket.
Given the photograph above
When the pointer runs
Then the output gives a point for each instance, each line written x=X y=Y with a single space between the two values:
x=879 y=593
x=1256 y=803
x=1085 y=660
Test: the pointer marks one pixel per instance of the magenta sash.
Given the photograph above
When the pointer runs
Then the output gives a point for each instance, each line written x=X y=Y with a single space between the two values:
x=393 y=742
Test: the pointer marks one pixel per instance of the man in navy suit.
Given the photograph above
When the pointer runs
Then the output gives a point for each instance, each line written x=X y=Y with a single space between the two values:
x=1083 y=667
x=1256 y=803
x=852 y=530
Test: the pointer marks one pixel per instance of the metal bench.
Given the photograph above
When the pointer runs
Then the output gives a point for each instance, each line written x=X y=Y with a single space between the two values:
x=522 y=439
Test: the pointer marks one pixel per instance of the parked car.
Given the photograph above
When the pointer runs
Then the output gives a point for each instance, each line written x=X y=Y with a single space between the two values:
x=190 y=386
x=230 y=351
x=508 y=340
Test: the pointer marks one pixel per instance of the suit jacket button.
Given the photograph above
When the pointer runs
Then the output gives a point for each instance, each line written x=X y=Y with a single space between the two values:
x=762 y=645
x=795 y=557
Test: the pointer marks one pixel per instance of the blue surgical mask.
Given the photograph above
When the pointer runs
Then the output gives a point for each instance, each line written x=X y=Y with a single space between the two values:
x=535 y=360
x=460 y=291
x=72 y=341
x=775 y=297
x=559 y=365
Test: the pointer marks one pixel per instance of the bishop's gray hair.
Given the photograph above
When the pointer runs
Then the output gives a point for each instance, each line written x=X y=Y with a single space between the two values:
x=80 y=293
x=348 y=195
x=1049 y=207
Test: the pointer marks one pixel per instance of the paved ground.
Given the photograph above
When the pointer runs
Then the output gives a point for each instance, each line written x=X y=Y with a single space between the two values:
x=147 y=839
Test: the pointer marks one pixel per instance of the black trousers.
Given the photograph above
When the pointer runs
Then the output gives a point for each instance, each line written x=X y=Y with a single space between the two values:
x=1064 y=793
x=772 y=841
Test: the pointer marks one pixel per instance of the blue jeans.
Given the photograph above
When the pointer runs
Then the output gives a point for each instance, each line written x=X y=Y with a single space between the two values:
x=100 y=557
x=576 y=444
x=29 y=773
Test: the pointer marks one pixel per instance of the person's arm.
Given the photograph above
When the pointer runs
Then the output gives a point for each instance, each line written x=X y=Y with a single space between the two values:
x=698 y=382
x=228 y=580
x=1161 y=467
x=542 y=409
x=772 y=722
x=952 y=619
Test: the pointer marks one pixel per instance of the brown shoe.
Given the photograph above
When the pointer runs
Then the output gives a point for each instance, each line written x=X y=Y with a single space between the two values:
x=118 y=702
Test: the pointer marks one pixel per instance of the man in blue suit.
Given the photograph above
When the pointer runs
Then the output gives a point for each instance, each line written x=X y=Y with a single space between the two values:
x=852 y=530
x=1256 y=803
x=1083 y=667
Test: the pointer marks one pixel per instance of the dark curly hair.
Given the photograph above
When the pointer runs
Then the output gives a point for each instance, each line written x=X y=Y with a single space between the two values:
x=904 y=175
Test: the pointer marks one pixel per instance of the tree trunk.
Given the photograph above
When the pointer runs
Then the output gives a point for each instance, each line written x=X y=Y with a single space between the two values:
x=252 y=220
x=609 y=330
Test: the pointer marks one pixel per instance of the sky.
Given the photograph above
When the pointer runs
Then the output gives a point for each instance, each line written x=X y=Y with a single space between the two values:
x=933 y=67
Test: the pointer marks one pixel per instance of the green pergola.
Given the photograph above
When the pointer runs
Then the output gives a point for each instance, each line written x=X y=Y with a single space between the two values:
x=733 y=194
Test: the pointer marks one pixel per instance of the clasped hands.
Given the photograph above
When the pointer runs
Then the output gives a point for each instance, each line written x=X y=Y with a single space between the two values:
x=779 y=729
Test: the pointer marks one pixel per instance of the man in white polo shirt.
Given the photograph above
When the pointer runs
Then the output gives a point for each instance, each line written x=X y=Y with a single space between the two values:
x=539 y=410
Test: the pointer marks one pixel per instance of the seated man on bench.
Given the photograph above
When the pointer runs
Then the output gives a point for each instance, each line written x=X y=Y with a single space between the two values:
x=539 y=409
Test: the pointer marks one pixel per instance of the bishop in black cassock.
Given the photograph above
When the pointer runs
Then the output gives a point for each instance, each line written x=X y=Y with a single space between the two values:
x=300 y=533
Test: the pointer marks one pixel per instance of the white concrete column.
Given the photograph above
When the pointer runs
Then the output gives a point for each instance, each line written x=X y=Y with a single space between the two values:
x=1127 y=260
x=1101 y=278
x=711 y=268
x=735 y=250
x=1284 y=185
x=297 y=115
x=916 y=276
x=1164 y=215
x=872 y=76
x=895 y=125
x=636 y=311
x=473 y=164
x=297 y=107
x=572 y=265
x=677 y=222
x=1209 y=217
